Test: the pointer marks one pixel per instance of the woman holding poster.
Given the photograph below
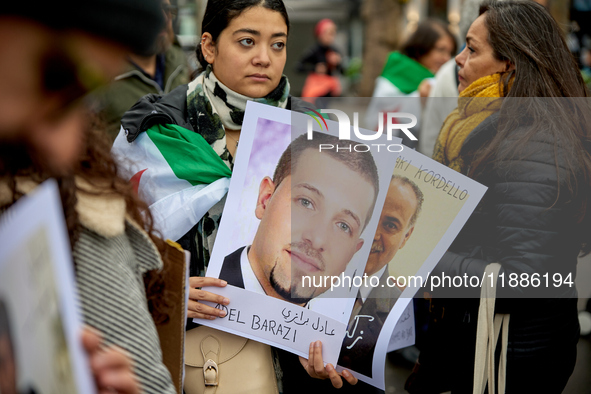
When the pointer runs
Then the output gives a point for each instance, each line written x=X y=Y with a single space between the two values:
x=192 y=134
x=529 y=150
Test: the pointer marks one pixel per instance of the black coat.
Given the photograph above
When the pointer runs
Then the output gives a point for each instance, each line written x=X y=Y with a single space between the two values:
x=317 y=54
x=524 y=224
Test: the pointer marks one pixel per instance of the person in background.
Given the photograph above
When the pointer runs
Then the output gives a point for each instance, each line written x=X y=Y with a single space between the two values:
x=420 y=57
x=49 y=61
x=444 y=85
x=322 y=62
x=521 y=129
x=443 y=97
x=157 y=70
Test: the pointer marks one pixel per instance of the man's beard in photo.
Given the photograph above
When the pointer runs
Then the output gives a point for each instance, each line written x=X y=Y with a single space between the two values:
x=284 y=293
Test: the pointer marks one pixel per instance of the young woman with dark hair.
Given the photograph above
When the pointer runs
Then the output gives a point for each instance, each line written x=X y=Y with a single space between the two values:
x=242 y=52
x=522 y=129
x=430 y=45
x=421 y=55
x=408 y=73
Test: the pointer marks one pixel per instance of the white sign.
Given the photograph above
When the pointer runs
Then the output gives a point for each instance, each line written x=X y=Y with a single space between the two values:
x=38 y=298
x=321 y=196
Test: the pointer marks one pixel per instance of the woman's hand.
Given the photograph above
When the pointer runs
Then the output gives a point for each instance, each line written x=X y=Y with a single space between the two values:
x=425 y=90
x=315 y=367
x=199 y=310
x=111 y=367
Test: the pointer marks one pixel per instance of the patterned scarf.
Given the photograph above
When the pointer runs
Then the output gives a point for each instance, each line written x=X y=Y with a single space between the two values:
x=212 y=107
x=476 y=103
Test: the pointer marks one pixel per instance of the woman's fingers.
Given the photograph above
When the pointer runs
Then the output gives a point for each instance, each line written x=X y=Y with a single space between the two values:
x=91 y=339
x=334 y=377
x=196 y=309
x=318 y=362
x=118 y=381
x=201 y=311
x=200 y=281
x=314 y=365
x=349 y=377
x=202 y=295
x=113 y=371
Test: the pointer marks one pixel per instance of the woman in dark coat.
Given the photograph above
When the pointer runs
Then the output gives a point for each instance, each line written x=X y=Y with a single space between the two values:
x=530 y=149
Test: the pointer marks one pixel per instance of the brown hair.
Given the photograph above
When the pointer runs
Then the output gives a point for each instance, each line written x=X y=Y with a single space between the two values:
x=424 y=38
x=98 y=168
x=544 y=98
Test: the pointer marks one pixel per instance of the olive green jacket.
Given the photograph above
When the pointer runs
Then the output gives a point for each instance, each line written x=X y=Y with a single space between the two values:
x=129 y=87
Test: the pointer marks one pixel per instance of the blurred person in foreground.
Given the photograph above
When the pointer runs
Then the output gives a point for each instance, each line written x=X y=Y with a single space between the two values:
x=408 y=73
x=157 y=70
x=49 y=61
x=531 y=149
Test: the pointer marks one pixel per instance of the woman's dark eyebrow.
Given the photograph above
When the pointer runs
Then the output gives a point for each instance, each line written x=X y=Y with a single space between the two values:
x=249 y=31
x=258 y=33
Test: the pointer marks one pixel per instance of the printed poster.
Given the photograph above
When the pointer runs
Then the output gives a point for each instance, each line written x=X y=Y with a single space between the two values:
x=374 y=263
x=284 y=189
x=40 y=344
x=426 y=206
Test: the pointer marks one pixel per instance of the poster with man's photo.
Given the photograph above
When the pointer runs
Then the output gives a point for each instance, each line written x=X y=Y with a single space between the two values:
x=324 y=235
x=40 y=347
x=289 y=191
x=426 y=206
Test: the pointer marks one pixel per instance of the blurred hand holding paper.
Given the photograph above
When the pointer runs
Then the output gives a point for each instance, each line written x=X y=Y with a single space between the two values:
x=40 y=328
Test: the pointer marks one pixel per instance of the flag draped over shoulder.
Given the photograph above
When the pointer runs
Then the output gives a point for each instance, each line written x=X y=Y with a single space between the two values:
x=176 y=172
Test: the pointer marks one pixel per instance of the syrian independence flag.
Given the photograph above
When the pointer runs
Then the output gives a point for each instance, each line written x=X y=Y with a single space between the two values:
x=396 y=90
x=176 y=172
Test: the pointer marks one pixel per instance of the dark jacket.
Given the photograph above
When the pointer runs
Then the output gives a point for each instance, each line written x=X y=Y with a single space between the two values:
x=520 y=223
x=231 y=271
x=525 y=225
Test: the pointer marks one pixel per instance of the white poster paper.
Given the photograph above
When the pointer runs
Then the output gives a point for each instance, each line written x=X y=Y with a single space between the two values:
x=40 y=336
x=448 y=198
x=266 y=134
